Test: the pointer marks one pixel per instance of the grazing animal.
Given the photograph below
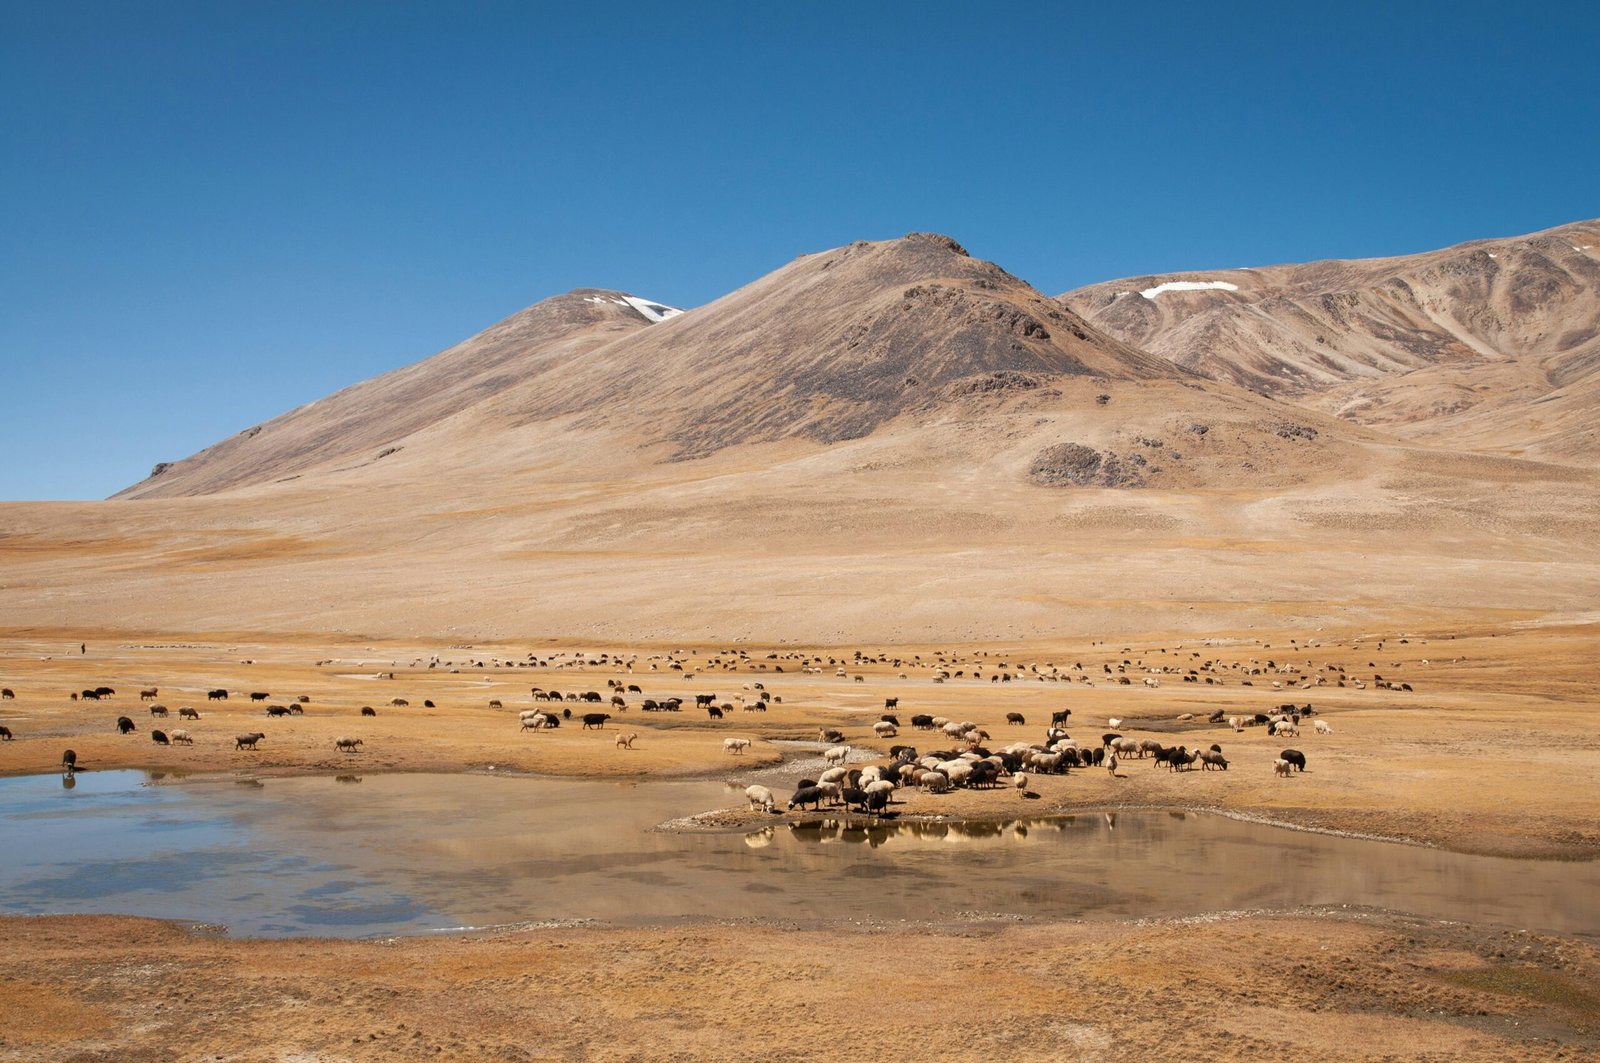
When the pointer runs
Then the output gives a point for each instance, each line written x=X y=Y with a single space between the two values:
x=735 y=745
x=149 y=694
x=181 y=738
x=160 y=738
x=1323 y=727
x=217 y=695
x=495 y=704
x=5 y=733
x=935 y=782
x=1111 y=765
x=125 y=725
x=807 y=795
x=885 y=729
x=277 y=710
x=398 y=703
x=347 y=745
x=891 y=703
x=922 y=721
x=1282 y=767
x=1210 y=760
x=1020 y=781
x=6 y=693
x=187 y=713
x=158 y=710
x=1016 y=719
x=1116 y=724
x=368 y=710
x=69 y=761
x=1295 y=757
x=760 y=797
x=259 y=695
x=596 y=720
x=713 y=712
x=836 y=755
x=247 y=741
x=828 y=734
x=625 y=741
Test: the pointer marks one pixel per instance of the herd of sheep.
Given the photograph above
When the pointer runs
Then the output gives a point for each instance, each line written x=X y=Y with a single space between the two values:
x=969 y=758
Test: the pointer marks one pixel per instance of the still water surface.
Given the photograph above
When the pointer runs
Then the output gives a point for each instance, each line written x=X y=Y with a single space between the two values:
x=395 y=854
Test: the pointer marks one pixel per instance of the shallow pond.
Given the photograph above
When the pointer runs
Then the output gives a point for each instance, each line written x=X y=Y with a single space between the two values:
x=355 y=856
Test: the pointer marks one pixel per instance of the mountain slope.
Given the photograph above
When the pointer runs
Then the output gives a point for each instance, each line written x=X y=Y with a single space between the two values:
x=827 y=348
x=1492 y=344
x=360 y=422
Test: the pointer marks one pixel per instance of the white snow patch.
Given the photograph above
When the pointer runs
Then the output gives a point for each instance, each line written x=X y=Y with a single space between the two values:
x=649 y=308
x=1188 y=286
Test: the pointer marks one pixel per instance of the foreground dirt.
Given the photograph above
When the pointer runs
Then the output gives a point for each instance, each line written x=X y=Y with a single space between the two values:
x=1331 y=987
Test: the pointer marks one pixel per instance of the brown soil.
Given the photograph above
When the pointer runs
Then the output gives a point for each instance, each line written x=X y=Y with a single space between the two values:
x=1450 y=763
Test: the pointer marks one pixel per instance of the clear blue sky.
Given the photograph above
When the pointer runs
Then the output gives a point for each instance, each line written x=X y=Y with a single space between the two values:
x=213 y=212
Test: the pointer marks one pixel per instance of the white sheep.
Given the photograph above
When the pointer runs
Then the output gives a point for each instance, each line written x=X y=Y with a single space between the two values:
x=1020 y=781
x=346 y=745
x=735 y=745
x=958 y=772
x=180 y=737
x=1115 y=722
x=935 y=782
x=1283 y=768
x=1323 y=727
x=885 y=729
x=760 y=797
x=625 y=741
x=832 y=791
x=1236 y=722
x=836 y=755
x=879 y=786
x=834 y=775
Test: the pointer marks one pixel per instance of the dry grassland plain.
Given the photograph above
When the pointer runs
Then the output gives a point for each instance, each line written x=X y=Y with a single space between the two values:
x=1491 y=751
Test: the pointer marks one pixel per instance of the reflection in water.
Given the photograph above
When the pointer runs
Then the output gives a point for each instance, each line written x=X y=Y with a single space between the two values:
x=68 y=781
x=406 y=853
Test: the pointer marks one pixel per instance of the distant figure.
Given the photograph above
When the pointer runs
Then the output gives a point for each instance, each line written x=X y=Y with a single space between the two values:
x=83 y=647
x=1111 y=765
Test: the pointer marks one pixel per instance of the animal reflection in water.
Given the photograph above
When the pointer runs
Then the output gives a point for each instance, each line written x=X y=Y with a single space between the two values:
x=829 y=831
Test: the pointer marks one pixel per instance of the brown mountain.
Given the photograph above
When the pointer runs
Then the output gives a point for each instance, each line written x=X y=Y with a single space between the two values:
x=829 y=347
x=359 y=423
x=1491 y=345
x=886 y=441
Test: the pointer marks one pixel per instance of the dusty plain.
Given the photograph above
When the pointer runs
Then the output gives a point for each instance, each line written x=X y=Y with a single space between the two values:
x=1448 y=763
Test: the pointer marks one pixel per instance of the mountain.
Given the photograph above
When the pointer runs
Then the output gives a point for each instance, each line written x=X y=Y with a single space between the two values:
x=889 y=441
x=827 y=348
x=1490 y=345
x=362 y=422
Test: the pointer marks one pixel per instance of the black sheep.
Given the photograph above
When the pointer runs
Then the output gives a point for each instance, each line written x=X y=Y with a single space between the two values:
x=1295 y=757
x=807 y=795
x=125 y=725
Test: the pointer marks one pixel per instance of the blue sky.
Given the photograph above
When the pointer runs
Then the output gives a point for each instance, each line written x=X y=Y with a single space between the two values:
x=213 y=212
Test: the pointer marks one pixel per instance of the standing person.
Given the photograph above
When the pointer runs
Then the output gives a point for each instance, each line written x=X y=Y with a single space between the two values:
x=83 y=647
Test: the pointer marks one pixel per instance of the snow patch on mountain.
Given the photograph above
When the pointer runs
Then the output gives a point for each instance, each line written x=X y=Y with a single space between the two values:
x=1188 y=286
